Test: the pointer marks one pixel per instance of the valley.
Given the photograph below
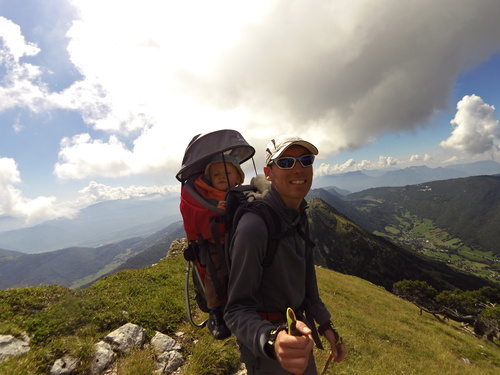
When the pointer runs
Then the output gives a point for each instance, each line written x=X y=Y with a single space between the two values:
x=425 y=237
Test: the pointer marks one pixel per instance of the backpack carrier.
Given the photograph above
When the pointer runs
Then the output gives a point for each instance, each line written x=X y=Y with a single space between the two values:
x=203 y=220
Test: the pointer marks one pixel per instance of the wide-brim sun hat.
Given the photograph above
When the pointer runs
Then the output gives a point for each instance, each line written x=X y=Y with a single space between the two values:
x=278 y=145
x=227 y=159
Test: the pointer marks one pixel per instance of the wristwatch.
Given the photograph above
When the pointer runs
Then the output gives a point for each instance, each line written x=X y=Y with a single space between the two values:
x=269 y=345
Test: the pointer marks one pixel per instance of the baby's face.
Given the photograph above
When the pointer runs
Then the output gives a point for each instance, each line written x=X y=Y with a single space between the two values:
x=218 y=175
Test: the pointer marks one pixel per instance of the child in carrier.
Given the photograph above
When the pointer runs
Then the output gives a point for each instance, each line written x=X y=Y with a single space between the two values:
x=221 y=173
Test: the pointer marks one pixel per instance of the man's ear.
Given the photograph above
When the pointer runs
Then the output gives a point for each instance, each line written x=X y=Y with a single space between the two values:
x=267 y=172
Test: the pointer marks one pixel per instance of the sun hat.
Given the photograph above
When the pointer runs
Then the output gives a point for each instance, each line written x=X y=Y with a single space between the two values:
x=278 y=145
x=228 y=159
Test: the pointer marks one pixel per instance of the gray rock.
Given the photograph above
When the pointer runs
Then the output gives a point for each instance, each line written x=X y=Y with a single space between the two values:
x=169 y=361
x=64 y=366
x=163 y=343
x=126 y=338
x=12 y=347
x=103 y=358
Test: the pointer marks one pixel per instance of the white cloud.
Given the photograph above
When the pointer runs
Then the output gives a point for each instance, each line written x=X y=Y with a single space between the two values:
x=419 y=158
x=352 y=70
x=97 y=192
x=350 y=165
x=475 y=127
x=13 y=203
x=338 y=73
x=19 y=86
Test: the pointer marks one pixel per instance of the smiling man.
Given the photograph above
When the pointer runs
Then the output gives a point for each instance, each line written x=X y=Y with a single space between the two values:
x=260 y=291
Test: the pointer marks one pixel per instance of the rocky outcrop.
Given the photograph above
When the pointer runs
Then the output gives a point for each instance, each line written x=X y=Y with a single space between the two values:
x=121 y=342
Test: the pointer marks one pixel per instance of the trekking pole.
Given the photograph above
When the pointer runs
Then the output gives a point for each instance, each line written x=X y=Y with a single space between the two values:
x=330 y=357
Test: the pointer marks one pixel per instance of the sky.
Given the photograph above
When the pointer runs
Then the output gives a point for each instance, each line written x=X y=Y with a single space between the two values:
x=99 y=98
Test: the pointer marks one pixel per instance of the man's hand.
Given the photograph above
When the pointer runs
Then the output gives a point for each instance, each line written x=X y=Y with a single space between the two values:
x=338 y=348
x=293 y=351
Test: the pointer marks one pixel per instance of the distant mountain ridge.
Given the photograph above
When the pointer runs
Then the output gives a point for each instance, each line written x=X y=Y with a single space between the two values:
x=359 y=180
x=98 y=224
x=78 y=266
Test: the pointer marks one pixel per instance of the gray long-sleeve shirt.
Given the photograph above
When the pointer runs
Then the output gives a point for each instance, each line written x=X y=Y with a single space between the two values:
x=289 y=281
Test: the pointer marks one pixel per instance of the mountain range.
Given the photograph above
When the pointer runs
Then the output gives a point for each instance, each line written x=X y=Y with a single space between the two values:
x=352 y=182
x=99 y=224
x=341 y=245
x=79 y=266
x=112 y=221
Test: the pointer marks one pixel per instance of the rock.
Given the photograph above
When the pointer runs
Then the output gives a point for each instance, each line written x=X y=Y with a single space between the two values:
x=170 y=361
x=163 y=343
x=12 y=347
x=167 y=351
x=103 y=358
x=126 y=338
x=64 y=366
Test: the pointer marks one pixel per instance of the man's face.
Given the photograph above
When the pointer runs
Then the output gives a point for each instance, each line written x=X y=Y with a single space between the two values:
x=291 y=184
x=219 y=178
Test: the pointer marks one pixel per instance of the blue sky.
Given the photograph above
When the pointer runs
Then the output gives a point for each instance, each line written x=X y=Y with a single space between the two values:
x=99 y=98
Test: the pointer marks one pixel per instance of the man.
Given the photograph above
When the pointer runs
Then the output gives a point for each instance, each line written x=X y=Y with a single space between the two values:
x=259 y=295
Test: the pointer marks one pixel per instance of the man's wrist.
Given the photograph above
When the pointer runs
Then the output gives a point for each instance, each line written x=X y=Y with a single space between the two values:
x=271 y=341
x=328 y=326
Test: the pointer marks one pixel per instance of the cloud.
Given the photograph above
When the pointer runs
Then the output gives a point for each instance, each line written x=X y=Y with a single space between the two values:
x=344 y=73
x=475 y=127
x=13 y=203
x=97 y=192
x=19 y=86
x=351 y=165
x=418 y=158
x=339 y=73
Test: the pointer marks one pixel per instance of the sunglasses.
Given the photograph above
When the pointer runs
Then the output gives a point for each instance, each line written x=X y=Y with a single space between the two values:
x=288 y=162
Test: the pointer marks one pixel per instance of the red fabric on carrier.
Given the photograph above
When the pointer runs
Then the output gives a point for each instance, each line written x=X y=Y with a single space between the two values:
x=197 y=219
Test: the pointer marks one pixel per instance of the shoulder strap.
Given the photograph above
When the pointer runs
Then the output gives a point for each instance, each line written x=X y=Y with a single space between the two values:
x=273 y=224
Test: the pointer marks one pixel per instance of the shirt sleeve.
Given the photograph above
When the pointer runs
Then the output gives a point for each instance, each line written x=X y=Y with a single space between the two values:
x=247 y=252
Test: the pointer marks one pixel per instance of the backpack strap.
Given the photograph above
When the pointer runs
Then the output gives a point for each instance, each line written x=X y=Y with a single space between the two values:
x=273 y=224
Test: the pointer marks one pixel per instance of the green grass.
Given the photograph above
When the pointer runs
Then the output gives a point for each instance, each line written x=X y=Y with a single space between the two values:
x=383 y=333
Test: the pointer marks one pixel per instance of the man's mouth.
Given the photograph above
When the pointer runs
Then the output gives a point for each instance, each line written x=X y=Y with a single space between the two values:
x=298 y=182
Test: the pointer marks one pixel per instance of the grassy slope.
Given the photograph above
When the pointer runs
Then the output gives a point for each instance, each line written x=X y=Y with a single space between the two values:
x=383 y=334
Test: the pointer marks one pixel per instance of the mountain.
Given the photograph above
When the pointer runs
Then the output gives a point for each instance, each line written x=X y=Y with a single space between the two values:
x=4 y=254
x=467 y=208
x=485 y=167
x=78 y=266
x=363 y=180
x=343 y=246
x=96 y=225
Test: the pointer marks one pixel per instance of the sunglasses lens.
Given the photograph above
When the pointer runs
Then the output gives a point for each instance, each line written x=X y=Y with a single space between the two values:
x=285 y=163
x=306 y=160
x=289 y=162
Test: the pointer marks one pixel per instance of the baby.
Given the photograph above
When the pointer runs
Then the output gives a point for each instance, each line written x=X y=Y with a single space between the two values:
x=221 y=174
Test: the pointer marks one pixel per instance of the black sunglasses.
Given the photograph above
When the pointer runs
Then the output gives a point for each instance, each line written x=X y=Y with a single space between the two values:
x=288 y=162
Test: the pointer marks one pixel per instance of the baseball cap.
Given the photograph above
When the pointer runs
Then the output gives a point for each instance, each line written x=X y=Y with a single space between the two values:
x=278 y=145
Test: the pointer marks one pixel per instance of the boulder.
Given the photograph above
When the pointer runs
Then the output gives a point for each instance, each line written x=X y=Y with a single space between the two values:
x=127 y=337
x=12 y=347
x=103 y=358
x=64 y=366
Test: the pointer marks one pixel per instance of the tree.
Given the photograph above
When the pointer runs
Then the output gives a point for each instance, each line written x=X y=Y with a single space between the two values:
x=478 y=308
